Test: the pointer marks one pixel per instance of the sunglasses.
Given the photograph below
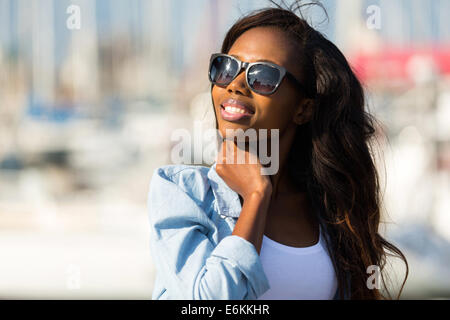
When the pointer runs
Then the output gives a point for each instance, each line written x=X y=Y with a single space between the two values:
x=262 y=77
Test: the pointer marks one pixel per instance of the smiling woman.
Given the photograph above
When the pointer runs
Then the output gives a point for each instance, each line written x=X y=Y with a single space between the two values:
x=308 y=231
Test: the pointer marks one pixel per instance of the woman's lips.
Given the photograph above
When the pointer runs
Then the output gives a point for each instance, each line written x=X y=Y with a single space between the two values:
x=233 y=113
x=231 y=110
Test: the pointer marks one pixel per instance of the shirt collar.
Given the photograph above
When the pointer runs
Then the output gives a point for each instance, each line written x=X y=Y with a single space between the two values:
x=228 y=202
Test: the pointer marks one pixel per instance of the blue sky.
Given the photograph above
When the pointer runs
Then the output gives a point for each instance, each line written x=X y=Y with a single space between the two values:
x=402 y=20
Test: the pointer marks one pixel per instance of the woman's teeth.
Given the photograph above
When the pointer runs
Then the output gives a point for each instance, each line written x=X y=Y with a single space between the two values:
x=234 y=110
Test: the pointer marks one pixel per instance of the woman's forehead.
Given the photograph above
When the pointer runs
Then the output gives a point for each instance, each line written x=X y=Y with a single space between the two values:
x=264 y=43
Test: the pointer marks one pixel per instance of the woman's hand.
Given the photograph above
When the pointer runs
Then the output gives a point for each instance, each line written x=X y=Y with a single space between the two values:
x=256 y=189
x=244 y=178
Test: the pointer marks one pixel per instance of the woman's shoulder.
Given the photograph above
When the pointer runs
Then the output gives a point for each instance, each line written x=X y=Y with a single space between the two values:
x=186 y=177
x=168 y=181
x=175 y=172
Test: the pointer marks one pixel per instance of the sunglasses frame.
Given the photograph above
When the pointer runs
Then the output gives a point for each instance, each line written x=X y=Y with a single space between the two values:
x=246 y=66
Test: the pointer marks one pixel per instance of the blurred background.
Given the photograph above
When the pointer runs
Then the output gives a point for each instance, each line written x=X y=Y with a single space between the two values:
x=91 y=91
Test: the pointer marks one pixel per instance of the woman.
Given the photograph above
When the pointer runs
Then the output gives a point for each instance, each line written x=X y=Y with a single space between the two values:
x=309 y=231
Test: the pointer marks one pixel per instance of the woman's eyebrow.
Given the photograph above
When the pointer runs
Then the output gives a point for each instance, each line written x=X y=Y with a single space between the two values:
x=259 y=60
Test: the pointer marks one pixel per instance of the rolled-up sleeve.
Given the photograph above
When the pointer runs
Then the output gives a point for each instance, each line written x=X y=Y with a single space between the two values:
x=192 y=265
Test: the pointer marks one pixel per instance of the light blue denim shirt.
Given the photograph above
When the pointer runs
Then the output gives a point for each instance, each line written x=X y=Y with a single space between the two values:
x=192 y=214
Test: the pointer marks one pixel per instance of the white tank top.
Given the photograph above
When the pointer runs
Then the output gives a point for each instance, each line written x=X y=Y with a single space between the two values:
x=298 y=273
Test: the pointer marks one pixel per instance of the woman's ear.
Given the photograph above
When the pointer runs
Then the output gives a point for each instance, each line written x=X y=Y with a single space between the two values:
x=304 y=112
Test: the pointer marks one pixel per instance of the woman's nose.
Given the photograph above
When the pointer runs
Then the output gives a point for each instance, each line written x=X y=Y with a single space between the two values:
x=239 y=84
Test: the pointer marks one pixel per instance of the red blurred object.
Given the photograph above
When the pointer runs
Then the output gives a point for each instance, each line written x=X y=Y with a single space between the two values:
x=397 y=64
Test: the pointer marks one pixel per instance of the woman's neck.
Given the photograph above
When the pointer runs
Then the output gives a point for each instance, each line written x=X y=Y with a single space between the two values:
x=281 y=181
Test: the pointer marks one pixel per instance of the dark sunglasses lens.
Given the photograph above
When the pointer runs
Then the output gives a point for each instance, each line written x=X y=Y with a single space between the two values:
x=263 y=78
x=223 y=70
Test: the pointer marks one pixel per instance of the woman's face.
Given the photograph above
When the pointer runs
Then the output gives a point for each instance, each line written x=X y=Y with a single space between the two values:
x=275 y=111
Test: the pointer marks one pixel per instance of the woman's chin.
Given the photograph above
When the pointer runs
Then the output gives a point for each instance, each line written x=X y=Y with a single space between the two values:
x=241 y=134
x=233 y=130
